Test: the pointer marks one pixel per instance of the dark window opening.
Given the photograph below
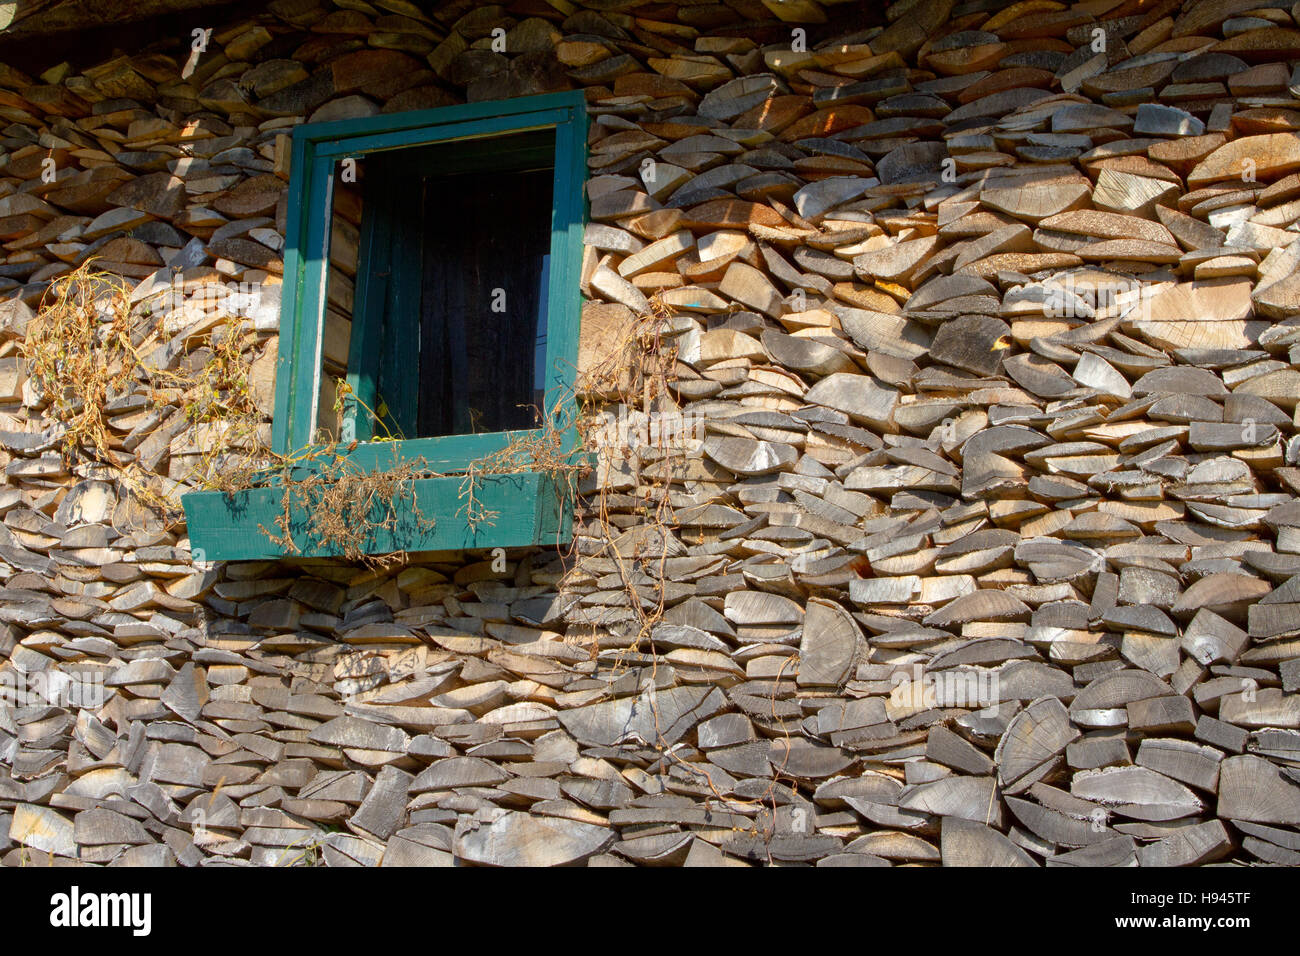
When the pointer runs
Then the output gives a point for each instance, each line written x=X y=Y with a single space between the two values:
x=458 y=261
x=487 y=240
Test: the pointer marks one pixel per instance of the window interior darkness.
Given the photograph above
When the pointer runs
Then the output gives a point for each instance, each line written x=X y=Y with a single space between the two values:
x=468 y=255
x=482 y=325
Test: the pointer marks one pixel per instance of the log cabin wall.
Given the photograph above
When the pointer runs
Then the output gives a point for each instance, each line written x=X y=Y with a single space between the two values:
x=986 y=551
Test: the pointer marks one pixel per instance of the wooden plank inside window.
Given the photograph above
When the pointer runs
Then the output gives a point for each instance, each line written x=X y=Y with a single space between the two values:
x=482 y=325
x=459 y=251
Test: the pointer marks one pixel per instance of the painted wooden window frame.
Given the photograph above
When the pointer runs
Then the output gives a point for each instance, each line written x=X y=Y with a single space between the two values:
x=316 y=148
x=532 y=508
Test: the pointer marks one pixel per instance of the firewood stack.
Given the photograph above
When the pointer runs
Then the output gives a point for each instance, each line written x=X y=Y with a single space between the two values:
x=987 y=551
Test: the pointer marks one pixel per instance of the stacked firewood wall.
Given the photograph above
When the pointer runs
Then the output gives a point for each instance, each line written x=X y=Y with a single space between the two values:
x=987 y=549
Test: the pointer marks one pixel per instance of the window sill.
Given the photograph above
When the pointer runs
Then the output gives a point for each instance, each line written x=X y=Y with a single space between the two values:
x=531 y=509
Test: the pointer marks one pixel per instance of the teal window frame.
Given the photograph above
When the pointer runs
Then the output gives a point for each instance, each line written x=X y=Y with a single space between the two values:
x=530 y=507
x=316 y=148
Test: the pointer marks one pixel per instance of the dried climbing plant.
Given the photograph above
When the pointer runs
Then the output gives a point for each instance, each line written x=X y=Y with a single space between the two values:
x=89 y=346
x=80 y=353
x=641 y=375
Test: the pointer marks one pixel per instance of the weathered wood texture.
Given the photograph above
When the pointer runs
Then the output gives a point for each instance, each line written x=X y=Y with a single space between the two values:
x=987 y=551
